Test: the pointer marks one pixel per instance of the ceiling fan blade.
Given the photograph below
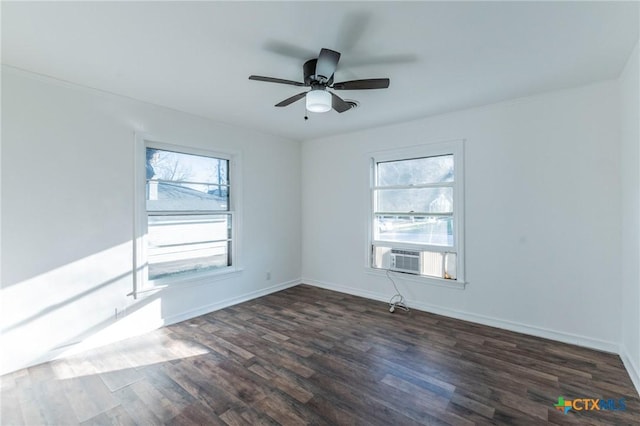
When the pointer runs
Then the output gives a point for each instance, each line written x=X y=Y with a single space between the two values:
x=379 y=60
x=371 y=83
x=275 y=80
x=288 y=49
x=352 y=28
x=327 y=63
x=291 y=100
x=338 y=103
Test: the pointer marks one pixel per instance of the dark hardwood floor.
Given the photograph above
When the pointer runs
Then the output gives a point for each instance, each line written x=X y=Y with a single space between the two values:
x=312 y=356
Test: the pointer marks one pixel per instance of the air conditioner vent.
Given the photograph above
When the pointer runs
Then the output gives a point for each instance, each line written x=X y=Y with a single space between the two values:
x=405 y=261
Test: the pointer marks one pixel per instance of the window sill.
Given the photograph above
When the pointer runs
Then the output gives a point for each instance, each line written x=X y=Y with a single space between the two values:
x=439 y=282
x=192 y=280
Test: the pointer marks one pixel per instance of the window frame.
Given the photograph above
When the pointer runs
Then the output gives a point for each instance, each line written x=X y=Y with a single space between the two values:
x=452 y=147
x=142 y=283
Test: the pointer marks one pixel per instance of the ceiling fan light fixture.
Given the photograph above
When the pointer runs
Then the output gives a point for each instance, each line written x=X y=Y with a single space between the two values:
x=318 y=101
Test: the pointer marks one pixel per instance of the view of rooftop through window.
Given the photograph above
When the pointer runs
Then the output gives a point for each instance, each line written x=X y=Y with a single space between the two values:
x=189 y=218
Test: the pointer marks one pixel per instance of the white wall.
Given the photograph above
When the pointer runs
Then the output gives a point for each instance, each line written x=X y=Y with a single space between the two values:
x=630 y=163
x=67 y=219
x=543 y=232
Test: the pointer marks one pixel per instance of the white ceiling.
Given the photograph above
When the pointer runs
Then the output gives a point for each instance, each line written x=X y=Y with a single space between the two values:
x=196 y=57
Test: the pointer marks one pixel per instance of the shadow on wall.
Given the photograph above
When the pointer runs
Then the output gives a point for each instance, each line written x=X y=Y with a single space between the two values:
x=78 y=305
x=61 y=305
x=25 y=262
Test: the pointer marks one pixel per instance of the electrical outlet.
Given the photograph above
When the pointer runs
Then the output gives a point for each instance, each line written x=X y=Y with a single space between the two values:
x=268 y=275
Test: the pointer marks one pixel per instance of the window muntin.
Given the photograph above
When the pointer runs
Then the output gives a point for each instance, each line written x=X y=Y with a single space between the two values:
x=417 y=206
x=189 y=217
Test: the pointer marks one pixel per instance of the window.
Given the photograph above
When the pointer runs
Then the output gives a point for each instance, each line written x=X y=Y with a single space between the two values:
x=187 y=220
x=416 y=214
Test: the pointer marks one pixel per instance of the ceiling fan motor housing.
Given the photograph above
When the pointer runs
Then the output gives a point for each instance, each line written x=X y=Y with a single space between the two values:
x=309 y=70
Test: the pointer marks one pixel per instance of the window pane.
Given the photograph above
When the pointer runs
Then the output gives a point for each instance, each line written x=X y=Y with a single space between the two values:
x=416 y=171
x=423 y=200
x=177 y=181
x=178 y=244
x=170 y=196
x=433 y=230
x=177 y=166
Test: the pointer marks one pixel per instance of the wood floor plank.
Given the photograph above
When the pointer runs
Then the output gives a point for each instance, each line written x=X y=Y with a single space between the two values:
x=195 y=414
x=311 y=356
x=343 y=397
x=336 y=413
x=282 y=383
x=200 y=387
x=473 y=404
x=155 y=401
x=256 y=418
x=242 y=387
x=284 y=411
x=135 y=407
x=58 y=407
x=88 y=396
x=233 y=418
x=271 y=351
x=116 y=416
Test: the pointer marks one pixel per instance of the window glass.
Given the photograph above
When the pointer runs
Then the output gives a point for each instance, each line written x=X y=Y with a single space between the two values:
x=418 y=200
x=177 y=181
x=189 y=216
x=416 y=171
x=430 y=230
x=179 y=244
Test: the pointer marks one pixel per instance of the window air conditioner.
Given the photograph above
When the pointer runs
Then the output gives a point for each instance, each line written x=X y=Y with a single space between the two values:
x=405 y=261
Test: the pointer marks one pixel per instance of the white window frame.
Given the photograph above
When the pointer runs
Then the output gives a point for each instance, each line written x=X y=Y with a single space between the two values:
x=455 y=148
x=141 y=282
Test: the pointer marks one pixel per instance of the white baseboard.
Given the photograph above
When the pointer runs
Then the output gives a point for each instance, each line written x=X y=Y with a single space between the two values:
x=229 y=302
x=632 y=367
x=560 y=336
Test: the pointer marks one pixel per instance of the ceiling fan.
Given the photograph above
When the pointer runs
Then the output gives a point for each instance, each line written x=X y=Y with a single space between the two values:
x=318 y=75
